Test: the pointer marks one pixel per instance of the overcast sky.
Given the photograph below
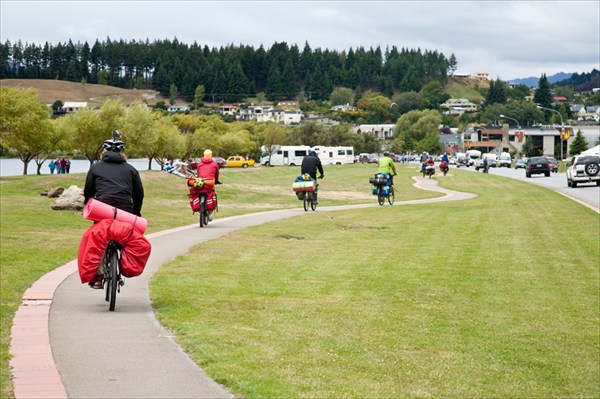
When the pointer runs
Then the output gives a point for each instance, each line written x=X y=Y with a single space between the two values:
x=508 y=39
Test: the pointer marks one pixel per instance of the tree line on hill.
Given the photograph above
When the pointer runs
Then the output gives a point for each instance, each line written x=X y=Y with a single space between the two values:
x=582 y=82
x=230 y=73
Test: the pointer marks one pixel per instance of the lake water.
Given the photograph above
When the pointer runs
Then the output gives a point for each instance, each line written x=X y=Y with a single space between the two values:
x=14 y=167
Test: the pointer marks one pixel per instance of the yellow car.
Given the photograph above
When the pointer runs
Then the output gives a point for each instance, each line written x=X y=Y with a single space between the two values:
x=237 y=161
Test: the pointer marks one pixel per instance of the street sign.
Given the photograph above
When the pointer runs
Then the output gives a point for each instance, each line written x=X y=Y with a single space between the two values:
x=566 y=133
x=520 y=134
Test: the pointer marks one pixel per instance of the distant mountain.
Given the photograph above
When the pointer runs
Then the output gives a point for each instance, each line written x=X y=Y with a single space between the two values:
x=533 y=81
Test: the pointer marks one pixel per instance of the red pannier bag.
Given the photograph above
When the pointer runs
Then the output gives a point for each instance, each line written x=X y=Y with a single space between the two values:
x=211 y=201
x=194 y=200
x=134 y=254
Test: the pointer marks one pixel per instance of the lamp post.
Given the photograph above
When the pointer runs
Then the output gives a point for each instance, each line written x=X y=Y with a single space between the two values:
x=562 y=127
x=513 y=119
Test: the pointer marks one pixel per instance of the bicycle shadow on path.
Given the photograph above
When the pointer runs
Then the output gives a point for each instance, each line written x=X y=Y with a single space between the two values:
x=65 y=342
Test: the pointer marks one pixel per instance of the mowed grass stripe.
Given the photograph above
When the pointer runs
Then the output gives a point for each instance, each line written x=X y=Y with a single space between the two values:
x=496 y=296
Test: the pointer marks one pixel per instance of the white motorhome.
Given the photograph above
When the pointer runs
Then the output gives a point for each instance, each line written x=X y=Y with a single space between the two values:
x=291 y=155
x=335 y=155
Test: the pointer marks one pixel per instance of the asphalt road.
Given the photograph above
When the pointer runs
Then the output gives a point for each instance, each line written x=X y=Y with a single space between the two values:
x=588 y=194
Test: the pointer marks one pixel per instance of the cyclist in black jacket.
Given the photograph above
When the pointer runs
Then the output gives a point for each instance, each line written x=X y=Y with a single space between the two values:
x=310 y=164
x=114 y=181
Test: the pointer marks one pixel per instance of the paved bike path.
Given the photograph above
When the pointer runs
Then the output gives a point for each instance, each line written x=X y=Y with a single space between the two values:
x=127 y=353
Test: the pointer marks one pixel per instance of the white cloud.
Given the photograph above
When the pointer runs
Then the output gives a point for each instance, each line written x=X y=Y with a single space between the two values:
x=508 y=39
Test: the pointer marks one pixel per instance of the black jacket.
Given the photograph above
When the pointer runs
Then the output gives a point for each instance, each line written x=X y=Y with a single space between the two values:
x=310 y=164
x=116 y=183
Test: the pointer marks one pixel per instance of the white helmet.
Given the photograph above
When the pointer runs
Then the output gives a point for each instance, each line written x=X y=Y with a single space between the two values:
x=115 y=144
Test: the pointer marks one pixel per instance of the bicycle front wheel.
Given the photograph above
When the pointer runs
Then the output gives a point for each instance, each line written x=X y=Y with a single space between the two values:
x=391 y=196
x=202 y=212
x=113 y=278
x=106 y=281
x=380 y=198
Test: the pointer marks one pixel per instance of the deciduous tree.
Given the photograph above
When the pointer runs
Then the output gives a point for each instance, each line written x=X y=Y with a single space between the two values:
x=341 y=96
x=24 y=124
x=274 y=137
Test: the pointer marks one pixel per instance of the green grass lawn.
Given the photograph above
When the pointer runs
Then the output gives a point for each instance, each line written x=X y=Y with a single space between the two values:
x=448 y=299
x=496 y=296
x=34 y=239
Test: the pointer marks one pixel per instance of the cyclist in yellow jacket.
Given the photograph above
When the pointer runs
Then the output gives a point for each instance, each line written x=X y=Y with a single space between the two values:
x=386 y=166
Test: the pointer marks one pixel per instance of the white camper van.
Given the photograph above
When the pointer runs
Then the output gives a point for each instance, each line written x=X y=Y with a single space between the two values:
x=291 y=155
x=335 y=155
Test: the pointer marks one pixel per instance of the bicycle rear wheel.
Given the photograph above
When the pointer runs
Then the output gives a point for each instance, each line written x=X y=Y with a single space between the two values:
x=306 y=201
x=113 y=277
x=391 y=196
x=313 y=203
x=380 y=198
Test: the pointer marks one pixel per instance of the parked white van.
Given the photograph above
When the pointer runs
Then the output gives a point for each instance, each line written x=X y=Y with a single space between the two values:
x=335 y=155
x=473 y=156
x=492 y=161
x=505 y=160
x=291 y=155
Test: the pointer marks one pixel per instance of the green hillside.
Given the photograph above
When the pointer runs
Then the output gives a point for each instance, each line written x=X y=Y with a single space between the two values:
x=464 y=89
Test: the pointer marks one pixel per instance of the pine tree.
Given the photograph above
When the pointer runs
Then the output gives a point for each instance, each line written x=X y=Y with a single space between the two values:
x=452 y=64
x=542 y=95
x=578 y=145
x=289 y=80
x=274 y=86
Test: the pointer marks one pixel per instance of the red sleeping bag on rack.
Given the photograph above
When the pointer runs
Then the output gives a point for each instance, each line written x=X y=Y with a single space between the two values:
x=134 y=255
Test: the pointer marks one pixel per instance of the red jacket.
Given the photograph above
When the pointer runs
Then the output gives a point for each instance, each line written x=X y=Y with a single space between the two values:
x=208 y=169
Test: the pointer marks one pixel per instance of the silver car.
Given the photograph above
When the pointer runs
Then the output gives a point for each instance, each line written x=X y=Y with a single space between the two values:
x=583 y=169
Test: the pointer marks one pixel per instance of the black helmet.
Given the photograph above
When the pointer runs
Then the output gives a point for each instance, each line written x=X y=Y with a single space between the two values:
x=313 y=153
x=115 y=144
x=386 y=154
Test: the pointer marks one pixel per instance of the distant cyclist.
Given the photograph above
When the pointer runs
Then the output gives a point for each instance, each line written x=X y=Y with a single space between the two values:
x=310 y=165
x=386 y=166
x=114 y=182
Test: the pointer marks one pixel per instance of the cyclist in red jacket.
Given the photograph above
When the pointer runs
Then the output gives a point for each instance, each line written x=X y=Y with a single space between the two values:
x=208 y=169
